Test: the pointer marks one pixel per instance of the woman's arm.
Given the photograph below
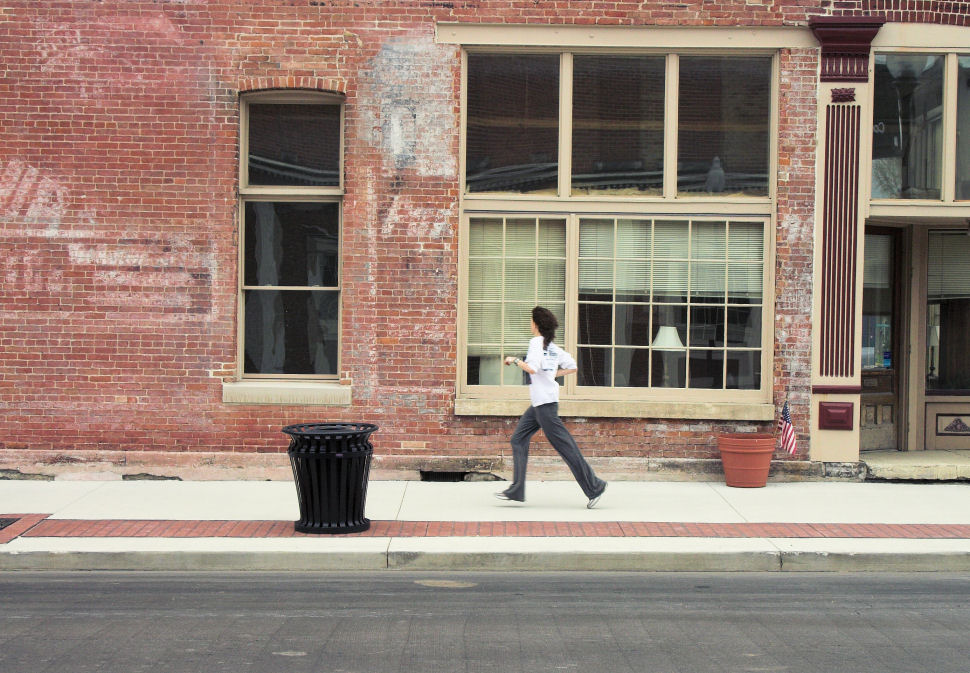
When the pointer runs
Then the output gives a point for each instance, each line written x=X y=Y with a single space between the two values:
x=565 y=372
x=521 y=364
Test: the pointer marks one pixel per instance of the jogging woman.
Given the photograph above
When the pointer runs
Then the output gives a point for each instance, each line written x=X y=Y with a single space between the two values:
x=544 y=363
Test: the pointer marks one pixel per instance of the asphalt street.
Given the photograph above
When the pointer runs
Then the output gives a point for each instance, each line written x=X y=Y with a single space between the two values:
x=489 y=622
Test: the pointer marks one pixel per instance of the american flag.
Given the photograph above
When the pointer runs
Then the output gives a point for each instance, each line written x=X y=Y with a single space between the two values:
x=786 y=430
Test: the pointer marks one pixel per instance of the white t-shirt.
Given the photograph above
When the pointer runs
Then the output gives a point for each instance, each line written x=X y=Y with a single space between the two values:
x=546 y=362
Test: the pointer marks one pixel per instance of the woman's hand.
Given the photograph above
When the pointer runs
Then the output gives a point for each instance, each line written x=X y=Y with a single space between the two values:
x=509 y=360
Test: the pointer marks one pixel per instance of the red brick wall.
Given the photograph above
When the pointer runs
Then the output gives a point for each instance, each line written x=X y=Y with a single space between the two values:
x=118 y=258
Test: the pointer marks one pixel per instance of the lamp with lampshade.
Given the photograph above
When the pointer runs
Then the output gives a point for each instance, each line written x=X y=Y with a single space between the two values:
x=668 y=342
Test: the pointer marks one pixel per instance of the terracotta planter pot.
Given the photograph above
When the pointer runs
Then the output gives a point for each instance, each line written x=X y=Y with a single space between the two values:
x=746 y=458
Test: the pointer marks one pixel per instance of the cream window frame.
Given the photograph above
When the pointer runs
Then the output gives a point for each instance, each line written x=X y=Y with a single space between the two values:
x=670 y=201
x=259 y=388
x=947 y=205
x=733 y=404
x=498 y=397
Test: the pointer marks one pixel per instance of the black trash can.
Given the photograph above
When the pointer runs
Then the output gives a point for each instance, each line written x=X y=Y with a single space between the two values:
x=331 y=463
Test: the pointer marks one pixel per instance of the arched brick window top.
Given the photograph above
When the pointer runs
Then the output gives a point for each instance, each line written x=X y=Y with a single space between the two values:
x=331 y=85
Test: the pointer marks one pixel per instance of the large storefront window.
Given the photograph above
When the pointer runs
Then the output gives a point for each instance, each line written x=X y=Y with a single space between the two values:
x=660 y=303
x=670 y=303
x=619 y=119
x=948 y=311
x=577 y=169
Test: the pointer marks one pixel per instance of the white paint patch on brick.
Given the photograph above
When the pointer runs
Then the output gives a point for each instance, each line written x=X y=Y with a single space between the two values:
x=28 y=194
x=407 y=102
x=26 y=273
x=179 y=255
x=419 y=223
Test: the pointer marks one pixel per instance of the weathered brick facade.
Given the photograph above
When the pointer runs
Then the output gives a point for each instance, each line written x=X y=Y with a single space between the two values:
x=119 y=143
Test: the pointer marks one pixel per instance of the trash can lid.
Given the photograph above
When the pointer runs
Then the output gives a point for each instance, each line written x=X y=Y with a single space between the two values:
x=328 y=429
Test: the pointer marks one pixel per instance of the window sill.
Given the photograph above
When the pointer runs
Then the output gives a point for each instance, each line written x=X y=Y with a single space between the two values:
x=751 y=411
x=307 y=393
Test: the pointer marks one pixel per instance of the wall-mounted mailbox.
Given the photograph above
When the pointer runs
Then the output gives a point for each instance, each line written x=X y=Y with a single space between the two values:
x=835 y=415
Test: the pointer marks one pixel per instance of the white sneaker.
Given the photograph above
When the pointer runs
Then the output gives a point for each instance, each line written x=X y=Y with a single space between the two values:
x=503 y=495
x=595 y=499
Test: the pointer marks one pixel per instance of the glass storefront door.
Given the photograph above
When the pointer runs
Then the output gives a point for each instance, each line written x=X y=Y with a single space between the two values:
x=880 y=342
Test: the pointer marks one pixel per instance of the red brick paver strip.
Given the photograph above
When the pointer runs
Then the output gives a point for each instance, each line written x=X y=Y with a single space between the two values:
x=38 y=525
x=23 y=523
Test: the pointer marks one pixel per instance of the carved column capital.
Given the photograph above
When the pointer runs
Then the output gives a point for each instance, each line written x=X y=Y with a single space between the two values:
x=845 y=44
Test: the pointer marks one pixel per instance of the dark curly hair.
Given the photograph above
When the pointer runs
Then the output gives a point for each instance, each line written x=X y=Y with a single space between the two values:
x=547 y=324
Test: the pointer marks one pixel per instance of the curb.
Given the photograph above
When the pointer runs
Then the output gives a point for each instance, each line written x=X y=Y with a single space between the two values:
x=654 y=561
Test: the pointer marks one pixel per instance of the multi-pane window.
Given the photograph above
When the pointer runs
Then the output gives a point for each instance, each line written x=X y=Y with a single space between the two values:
x=660 y=303
x=621 y=124
x=670 y=303
x=515 y=263
x=917 y=153
x=290 y=237
x=563 y=152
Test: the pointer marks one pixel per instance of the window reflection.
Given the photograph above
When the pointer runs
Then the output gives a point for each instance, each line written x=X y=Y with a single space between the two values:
x=948 y=311
x=618 y=124
x=877 y=302
x=292 y=243
x=963 y=128
x=907 y=141
x=724 y=126
x=294 y=145
x=291 y=332
x=513 y=123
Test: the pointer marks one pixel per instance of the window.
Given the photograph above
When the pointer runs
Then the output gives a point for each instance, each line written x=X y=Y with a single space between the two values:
x=290 y=186
x=917 y=152
x=623 y=137
x=948 y=311
x=515 y=263
x=618 y=125
x=670 y=303
x=660 y=303
x=963 y=129
x=723 y=125
x=578 y=167
x=513 y=124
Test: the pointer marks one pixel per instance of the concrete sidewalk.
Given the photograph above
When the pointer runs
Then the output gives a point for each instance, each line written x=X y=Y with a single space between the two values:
x=675 y=526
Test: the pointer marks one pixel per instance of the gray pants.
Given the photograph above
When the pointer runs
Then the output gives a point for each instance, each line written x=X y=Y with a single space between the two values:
x=546 y=417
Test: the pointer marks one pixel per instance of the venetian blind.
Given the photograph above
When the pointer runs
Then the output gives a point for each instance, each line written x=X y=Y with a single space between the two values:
x=745 y=261
x=513 y=265
x=948 y=275
x=877 y=260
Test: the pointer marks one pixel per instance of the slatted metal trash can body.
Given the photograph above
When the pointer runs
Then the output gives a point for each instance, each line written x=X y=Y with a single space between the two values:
x=331 y=465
